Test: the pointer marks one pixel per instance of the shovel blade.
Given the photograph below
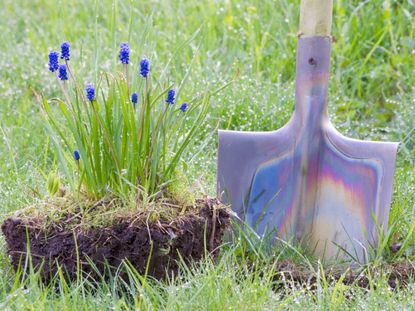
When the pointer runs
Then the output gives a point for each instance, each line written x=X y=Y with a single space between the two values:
x=306 y=180
x=337 y=208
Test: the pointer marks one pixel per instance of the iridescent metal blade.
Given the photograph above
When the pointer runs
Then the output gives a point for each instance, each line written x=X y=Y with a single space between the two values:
x=306 y=180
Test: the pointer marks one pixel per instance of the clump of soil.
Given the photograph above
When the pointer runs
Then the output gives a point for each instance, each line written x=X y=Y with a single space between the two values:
x=138 y=237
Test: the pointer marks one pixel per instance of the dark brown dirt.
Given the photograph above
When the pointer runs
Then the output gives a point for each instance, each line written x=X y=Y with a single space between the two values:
x=133 y=238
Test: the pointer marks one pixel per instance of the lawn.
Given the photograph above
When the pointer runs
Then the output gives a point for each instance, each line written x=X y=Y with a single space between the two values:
x=372 y=97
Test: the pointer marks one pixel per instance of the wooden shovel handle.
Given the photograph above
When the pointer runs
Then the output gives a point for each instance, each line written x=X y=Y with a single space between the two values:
x=315 y=17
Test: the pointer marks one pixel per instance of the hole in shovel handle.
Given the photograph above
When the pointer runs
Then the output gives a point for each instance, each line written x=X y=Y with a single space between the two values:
x=312 y=61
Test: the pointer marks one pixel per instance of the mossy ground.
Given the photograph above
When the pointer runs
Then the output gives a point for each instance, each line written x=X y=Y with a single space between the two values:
x=72 y=211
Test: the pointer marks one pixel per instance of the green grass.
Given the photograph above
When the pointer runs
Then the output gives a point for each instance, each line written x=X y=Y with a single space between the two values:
x=371 y=97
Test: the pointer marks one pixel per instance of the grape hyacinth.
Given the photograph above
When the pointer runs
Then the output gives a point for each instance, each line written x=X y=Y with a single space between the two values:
x=124 y=53
x=90 y=92
x=144 y=67
x=53 y=61
x=183 y=107
x=63 y=73
x=65 y=53
x=76 y=155
x=170 y=97
x=134 y=98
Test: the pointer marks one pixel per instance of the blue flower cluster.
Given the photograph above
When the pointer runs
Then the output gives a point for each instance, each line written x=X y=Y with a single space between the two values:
x=90 y=92
x=144 y=67
x=54 y=61
x=183 y=107
x=63 y=73
x=124 y=53
x=134 y=98
x=170 y=96
x=65 y=53
x=76 y=155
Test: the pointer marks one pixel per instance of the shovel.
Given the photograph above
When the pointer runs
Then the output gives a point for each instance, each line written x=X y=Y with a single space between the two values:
x=306 y=181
